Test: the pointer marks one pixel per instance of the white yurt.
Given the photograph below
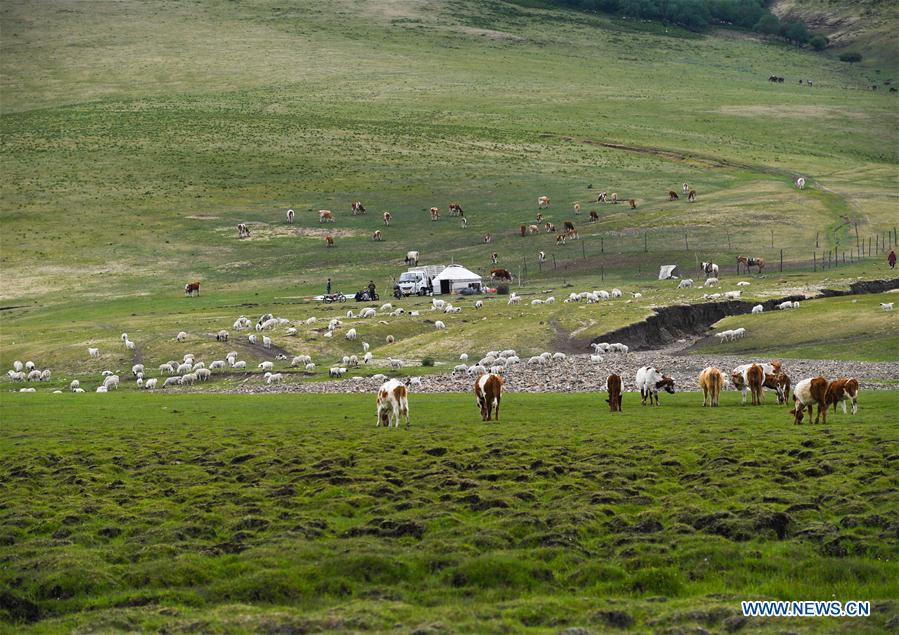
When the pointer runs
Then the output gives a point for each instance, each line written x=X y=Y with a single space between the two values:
x=454 y=279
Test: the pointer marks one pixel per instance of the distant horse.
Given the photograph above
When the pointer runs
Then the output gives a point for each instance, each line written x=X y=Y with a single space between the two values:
x=757 y=261
x=710 y=269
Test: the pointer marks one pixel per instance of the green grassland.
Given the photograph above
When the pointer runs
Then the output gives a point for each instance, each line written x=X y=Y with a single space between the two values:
x=286 y=513
x=844 y=328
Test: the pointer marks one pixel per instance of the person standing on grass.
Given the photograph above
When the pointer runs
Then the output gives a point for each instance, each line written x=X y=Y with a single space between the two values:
x=891 y=258
x=371 y=290
x=328 y=287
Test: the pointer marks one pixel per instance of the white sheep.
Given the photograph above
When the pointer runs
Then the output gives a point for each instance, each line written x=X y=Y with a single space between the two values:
x=710 y=282
x=796 y=305
x=266 y=341
x=415 y=381
x=188 y=358
x=188 y=379
x=311 y=320
x=463 y=357
x=536 y=301
x=292 y=331
x=733 y=295
x=783 y=306
x=460 y=368
x=596 y=359
x=203 y=374
x=34 y=375
x=685 y=283
x=251 y=338
x=366 y=358
x=602 y=294
x=241 y=365
x=242 y=323
x=166 y=368
x=386 y=307
x=150 y=384
x=738 y=333
x=328 y=334
x=17 y=366
x=78 y=390
x=350 y=315
x=264 y=366
x=74 y=384
x=184 y=368
x=390 y=339
x=479 y=304
x=310 y=367
x=129 y=345
x=137 y=368
x=514 y=298
x=558 y=357
x=274 y=378
x=181 y=337
x=16 y=376
x=549 y=300
x=439 y=325
x=637 y=296
x=379 y=377
x=140 y=382
x=742 y=283
x=336 y=372
x=218 y=364
x=99 y=389
x=367 y=313
x=111 y=382
x=29 y=366
x=437 y=305
x=45 y=375
x=616 y=292
x=886 y=306
x=758 y=308
x=93 y=352
x=351 y=335
x=171 y=381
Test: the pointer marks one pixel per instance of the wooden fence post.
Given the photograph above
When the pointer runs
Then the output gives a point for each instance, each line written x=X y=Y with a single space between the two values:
x=602 y=245
x=816 y=240
x=686 y=245
x=815 y=261
x=781 y=260
x=602 y=272
x=554 y=260
x=583 y=250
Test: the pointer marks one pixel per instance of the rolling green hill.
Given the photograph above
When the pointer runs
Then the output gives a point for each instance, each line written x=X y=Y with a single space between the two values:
x=136 y=135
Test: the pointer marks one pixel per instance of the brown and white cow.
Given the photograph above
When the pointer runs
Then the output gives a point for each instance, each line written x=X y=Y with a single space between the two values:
x=488 y=389
x=672 y=196
x=560 y=239
x=539 y=217
x=549 y=227
x=593 y=216
x=500 y=274
x=613 y=386
x=488 y=238
x=386 y=219
x=779 y=382
x=577 y=208
x=393 y=400
x=755 y=377
x=806 y=394
x=543 y=201
x=533 y=229
x=358 y=208
x=192 y=288
x=614 y=197
x=329 y=241
x=691 y=196
x=435 y=213
x=456 y=210
x=325 y=216
x=632 y=203
x=602 y=197
x=243 y=231
x=376 y=235
x=711 y=380
x=840 y=391
x=290 y=215
x=523 y=230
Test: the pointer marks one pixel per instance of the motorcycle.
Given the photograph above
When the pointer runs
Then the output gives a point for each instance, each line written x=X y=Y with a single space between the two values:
x=334 y=297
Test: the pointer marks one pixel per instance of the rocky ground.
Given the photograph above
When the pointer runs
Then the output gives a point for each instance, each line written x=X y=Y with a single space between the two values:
x=577 y=373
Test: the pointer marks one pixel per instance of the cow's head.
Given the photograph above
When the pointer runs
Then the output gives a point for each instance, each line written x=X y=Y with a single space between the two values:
x=667 y=384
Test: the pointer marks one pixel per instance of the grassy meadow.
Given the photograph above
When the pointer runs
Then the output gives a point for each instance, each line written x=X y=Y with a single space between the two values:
x=240 y=513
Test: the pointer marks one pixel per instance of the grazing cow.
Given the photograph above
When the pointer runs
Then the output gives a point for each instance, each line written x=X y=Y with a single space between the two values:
x=632 y=203
x=523 y=229
x=488 y=391
x=711 y=380
x=740 y=381
x=649 y=381
x=543 y=201
x=691 y=196
x=568 y=226
x=539 y=217
x=329 y=241
x=686 y=188
x=560 y=239
x=325 y=216
x=386 y=219
x=358 y=208
x=840 y=391
x=435 y=213
x=533 y=229
x=243 y=231
x=500 y=274
x=755 y=377
x=593 y=216
x=807 y=393
x=672 y=196
x=800 y=183
x=613 y=386
x=494 y=257
x=710 y=269
x=756 y=261
x=393 y=399
x=456 y=210
x=464 y=223
x=541 y=256
x=488 y=238
x=290 y=215
x=577 y=208
x=780 y=383
x=615 y=198
x=376 y=235
x=412 y=257
x=192 y=288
